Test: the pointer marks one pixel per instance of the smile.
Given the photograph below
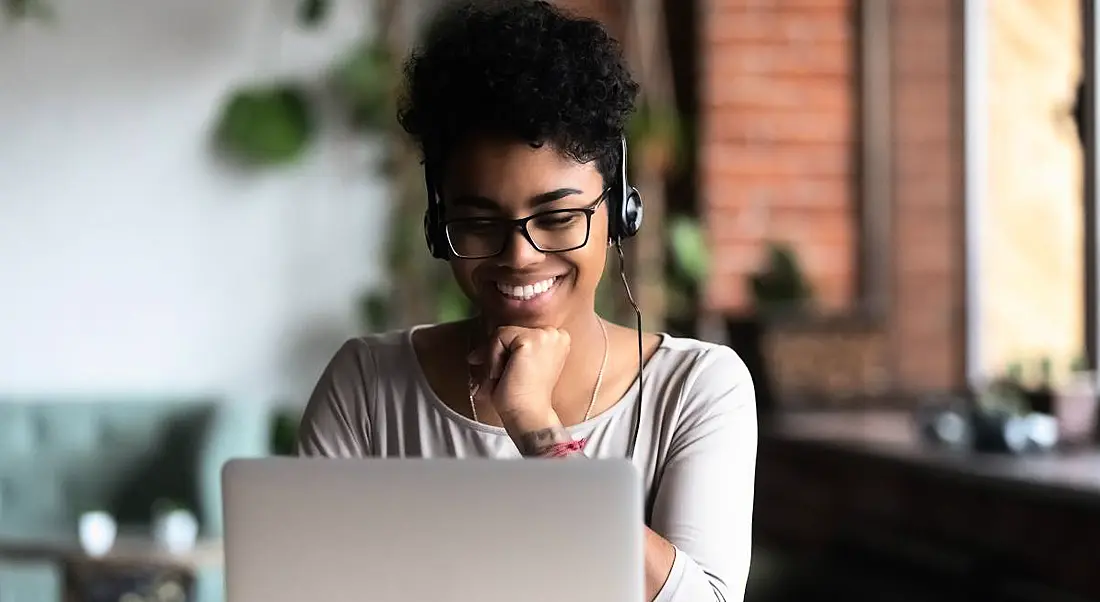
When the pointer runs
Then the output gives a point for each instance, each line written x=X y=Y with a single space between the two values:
x=527 y=292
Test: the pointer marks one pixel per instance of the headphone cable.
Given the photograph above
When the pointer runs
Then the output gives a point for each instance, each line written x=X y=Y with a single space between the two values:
x=641 y=355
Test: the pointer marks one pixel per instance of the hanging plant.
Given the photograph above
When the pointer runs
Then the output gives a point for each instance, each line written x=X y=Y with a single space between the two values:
x=311 y=13
x=264 y=126
x=364 y=81
x=18 y=10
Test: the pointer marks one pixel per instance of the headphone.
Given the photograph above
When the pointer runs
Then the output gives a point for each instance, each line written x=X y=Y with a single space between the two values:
x=624 y=211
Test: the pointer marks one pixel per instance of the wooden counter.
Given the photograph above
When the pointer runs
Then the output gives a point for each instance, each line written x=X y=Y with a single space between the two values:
x=865 y=484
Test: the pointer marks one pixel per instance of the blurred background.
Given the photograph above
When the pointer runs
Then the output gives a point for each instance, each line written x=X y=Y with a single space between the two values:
x=887 y=207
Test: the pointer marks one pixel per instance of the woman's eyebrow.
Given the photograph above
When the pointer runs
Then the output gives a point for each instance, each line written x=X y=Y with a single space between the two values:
x=473 y=201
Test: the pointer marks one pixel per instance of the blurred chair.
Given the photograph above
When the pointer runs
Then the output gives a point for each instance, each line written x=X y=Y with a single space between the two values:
x=61 y=458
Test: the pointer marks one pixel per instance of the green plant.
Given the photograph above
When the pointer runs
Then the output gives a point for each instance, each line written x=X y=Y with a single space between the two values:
x=781 y=286
x=690 y=257
x=1005 y=394
x=266 y=125
x=689 y=265
x=365 y=82
x=375 y=311
x=284 y=433
x=452 y=303
x=312 y=12
x=1046 y=372
x=18 y=10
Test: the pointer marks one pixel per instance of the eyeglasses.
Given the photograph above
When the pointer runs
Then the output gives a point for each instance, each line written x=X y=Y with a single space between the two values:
x=555 y=231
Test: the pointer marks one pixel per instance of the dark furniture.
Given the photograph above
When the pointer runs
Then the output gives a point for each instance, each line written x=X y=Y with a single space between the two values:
x=860 y=496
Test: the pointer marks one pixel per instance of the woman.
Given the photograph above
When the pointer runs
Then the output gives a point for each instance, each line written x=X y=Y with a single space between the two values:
x=519 y=110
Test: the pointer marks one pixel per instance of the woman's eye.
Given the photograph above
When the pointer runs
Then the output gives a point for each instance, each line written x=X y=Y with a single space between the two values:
x=557 y=220
x=481 y=226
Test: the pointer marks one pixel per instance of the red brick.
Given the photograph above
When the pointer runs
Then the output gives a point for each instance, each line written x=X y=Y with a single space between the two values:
x=793 y=128
x=738 y=258
x=928 y=296
x=828 y=160
x=778 y=93
x=769 y=192
x=827 y=226
x=733 y=6
x=793 y=26
x=777 y=59
x=778 y=160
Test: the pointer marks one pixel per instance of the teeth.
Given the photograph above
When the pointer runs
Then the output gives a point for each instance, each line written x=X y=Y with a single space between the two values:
x=527 y=292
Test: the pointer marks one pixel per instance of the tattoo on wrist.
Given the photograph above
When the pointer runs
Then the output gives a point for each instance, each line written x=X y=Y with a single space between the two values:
x=536 y=442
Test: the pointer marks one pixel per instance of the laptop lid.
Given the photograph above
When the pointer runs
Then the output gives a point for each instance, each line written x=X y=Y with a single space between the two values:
x=387 y=530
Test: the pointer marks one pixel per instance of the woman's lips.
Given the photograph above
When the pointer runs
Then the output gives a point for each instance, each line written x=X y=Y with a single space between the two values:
x=524 y=298
x=526 y=292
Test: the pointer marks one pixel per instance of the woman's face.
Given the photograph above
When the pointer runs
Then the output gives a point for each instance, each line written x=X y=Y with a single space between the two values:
x=491 y=179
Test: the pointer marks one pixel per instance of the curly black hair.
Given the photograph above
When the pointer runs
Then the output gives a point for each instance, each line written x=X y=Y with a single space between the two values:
x=523 y=69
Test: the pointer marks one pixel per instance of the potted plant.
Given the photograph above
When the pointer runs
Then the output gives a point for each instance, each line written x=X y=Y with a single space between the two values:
x=284 y=432
x=779 y=290
x=1076 y=407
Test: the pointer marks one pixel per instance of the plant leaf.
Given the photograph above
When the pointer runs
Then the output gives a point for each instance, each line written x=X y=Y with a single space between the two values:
x=266 y=126
x=312 y=12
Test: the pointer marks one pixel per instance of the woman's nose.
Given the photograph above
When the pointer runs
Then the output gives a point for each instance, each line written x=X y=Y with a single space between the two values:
x=520 y=252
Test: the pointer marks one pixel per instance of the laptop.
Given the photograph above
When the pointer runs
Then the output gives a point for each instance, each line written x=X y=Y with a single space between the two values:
x=389 y=530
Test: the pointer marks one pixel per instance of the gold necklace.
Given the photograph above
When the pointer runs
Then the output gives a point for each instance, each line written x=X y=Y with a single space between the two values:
x=595 y=390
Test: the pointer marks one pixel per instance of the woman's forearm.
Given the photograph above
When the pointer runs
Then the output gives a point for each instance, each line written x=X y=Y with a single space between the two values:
x=659 y=557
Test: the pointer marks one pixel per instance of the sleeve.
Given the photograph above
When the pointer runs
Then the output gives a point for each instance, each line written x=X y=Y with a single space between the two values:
x=336 y=422
x=704 y=501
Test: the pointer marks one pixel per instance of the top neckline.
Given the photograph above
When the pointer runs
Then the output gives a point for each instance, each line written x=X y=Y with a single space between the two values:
x=615 y=409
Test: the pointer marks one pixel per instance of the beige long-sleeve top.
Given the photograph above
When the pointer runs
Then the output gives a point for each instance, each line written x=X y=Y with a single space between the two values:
x=695 y=447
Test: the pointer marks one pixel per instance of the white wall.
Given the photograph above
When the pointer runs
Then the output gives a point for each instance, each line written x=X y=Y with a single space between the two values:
x=130 y=261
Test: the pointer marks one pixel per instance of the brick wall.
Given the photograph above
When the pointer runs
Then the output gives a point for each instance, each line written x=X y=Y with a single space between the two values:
x=779 y=148
x=777 y=132
x=927 y=319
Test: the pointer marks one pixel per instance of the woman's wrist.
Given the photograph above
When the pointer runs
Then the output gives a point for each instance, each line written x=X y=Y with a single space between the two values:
x=535 y=433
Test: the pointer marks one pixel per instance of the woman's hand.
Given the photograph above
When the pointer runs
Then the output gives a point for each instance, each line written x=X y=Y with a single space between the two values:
x=517 y=371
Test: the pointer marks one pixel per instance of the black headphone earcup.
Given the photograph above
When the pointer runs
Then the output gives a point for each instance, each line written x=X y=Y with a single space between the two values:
x=429 y=234
x=437 y=242
x=632 y=212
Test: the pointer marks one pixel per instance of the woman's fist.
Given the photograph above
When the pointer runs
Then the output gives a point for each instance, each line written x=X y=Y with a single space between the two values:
x=517 y=370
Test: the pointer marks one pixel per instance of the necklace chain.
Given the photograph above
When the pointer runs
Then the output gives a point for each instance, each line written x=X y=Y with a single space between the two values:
x=595 y=390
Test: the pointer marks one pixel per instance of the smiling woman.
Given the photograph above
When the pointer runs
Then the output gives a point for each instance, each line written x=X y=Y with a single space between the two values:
x=520 y=111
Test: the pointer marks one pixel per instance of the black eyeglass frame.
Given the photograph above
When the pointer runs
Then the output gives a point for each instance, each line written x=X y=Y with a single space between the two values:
x=521 y=224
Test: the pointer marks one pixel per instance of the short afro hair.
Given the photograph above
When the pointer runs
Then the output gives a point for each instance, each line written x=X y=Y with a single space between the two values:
x=522 y=69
